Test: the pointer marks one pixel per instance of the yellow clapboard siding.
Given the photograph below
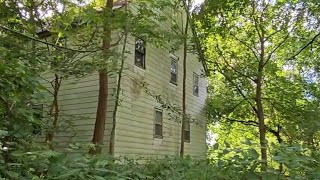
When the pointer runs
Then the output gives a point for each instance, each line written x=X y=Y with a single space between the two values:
x=78 y=103
x=136 y=114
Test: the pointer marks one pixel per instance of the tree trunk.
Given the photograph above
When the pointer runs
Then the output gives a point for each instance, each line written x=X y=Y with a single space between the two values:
x=260 y=113
x=101 y=115
x=54 y=111
x=184 y=83
x=114 y=115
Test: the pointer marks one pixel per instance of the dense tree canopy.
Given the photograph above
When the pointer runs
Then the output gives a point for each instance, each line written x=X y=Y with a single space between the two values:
x=264 y=70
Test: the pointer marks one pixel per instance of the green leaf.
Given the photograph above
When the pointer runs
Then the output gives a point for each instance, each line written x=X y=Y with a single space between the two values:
x=227 y=144
x=60 y=35
x=72 y=172
x=248 y=142
x=216 y=146
x=99 y=177
x=3 y=133
x=253 y=153
x=12 y=174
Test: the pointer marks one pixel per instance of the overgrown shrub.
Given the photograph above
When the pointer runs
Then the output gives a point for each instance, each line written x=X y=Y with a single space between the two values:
x=226 y=164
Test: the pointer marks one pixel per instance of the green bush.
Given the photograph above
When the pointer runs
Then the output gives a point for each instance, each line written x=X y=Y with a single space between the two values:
x=227 y=164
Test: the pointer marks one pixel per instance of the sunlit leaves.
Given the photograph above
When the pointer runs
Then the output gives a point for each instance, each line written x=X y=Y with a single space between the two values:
x=236 y=36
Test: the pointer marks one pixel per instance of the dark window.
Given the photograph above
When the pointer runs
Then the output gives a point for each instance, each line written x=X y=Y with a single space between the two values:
x=174 y=69
x=187 y=131
x=195 y=84
x=37 y=110
x=140 y=53
x=158 y=126
x=38 y=115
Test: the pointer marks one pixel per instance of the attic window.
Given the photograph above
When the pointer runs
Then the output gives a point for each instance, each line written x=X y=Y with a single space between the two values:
x=195 y=84
x=187 y=131
x=140 y=53
x=174 y=69
x=158 y=126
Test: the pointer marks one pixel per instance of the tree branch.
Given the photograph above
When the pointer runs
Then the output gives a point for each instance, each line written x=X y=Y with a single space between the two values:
x=305 y=46
x=245 y=122
x=245 y=44
x=44 y=42
x=254 y=19
x=198 y=45
x=275 y=49
x=237 y=88
x=280 y=44
x=272 y=34
x=234 y=69
x=253 y=123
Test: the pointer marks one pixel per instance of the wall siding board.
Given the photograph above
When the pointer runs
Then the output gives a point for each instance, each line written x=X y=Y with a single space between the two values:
x=78 y=105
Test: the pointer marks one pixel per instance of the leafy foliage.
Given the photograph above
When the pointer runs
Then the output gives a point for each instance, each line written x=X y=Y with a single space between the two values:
x=223 y=163
x=262 y=56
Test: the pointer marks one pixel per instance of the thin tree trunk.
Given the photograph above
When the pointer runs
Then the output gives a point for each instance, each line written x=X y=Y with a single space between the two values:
x=260 y=113
x=54 y=111
x=184 y=83
x=114 y=115
x=279 y=141
x=262 y=127
x=101 y=115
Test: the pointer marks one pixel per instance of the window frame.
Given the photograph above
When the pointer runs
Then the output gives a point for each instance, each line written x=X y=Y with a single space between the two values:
x=38 y=109
x=174 y=59
x=195 y=75
x=157 y=136
x=38 y=113
x=142 y=52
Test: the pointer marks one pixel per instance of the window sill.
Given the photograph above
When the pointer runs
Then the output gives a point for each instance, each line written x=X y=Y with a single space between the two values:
x=157 y=137
x=174 y=83
x=137 y=69
x=143 y=68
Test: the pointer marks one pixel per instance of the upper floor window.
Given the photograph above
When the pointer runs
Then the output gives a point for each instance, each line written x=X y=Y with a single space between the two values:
x=187 y=131
x=140 y=53
x=174 y=69
x=38 y=113
x=158 y=124
x=195 y=84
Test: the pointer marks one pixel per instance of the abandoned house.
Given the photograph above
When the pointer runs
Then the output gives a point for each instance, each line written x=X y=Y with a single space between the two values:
x=143 y=126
